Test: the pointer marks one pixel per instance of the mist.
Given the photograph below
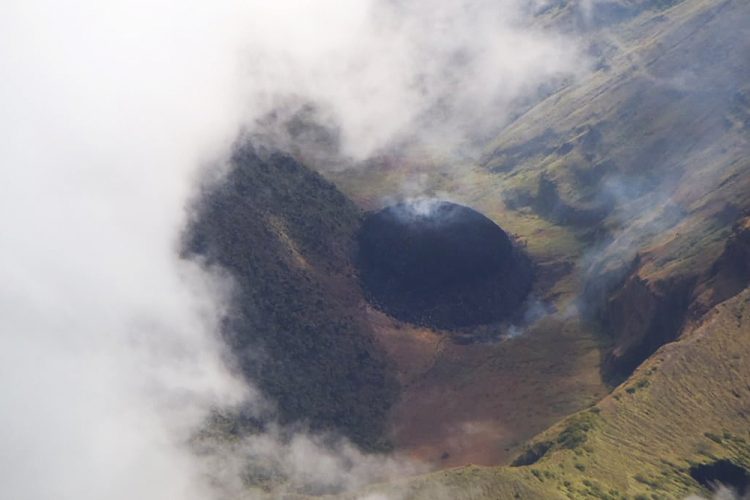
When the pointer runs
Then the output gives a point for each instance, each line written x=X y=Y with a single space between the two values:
x=383 y=72
x=111 y=358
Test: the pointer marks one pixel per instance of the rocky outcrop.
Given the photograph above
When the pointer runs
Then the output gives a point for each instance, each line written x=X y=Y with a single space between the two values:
x=729 y=274
x=642 y=315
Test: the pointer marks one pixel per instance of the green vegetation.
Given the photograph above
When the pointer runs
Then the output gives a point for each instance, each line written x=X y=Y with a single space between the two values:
x=575 y=433
x=285 y=236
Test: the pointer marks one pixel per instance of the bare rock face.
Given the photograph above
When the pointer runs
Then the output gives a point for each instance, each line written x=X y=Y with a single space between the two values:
x=729 y=274
x=643 y=315
x=440 y=264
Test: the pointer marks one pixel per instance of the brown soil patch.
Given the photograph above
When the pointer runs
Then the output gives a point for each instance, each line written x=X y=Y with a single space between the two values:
x=479 y=403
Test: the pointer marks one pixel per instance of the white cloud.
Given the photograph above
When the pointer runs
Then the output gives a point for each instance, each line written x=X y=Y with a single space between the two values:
x=386 y=70
x=108 y=354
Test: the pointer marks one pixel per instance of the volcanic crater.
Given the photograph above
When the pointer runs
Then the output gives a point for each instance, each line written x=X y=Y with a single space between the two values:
x=439 y=264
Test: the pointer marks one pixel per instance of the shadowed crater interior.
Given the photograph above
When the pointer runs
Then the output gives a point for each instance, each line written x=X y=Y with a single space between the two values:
x=440 y=264
x=722 y=473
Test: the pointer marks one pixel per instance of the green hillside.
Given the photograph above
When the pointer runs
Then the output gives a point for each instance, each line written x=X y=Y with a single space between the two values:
x=647 y=159
x=284 y=235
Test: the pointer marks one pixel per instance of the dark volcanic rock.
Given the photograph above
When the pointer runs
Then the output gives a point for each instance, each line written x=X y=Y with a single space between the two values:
x=441 y=264
x=722 y=473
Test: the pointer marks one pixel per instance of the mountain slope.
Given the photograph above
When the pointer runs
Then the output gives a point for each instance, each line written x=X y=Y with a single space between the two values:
x=285 y=237
x=636 y=181
x=647 y=158
x=689 y=404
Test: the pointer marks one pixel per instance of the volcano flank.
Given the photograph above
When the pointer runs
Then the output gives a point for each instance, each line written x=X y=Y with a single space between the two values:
x=442 y=265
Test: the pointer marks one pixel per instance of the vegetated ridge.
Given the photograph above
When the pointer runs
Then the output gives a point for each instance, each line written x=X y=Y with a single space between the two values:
x=286 y=236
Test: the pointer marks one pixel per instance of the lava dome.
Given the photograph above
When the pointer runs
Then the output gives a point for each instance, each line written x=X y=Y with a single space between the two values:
x=442 y=265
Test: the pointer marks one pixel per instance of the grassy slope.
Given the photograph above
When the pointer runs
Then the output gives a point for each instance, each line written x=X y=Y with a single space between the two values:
x=647 y=158
x=285 y=236
x=668 y=115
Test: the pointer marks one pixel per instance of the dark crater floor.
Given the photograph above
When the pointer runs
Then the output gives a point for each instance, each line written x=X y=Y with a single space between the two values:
x=442 y=265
